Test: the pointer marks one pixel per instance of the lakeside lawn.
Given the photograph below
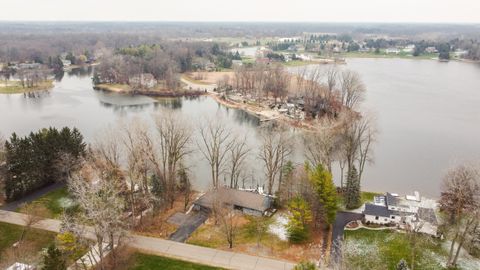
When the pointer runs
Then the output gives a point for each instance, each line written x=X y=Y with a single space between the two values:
x=383 y=249
x=10 y=233
x=141 y=261
x=383 y=54
x=14 y=87
x=52 y=204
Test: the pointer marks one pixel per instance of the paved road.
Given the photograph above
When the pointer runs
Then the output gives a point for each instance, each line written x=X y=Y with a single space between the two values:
x=12 y=206
x=188 y=226
x=157 y=246
x=342 y=219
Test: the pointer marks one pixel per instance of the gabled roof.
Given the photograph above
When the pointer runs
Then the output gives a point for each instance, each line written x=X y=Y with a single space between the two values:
x=244 y=199
x=428 y=215
x=376 y=210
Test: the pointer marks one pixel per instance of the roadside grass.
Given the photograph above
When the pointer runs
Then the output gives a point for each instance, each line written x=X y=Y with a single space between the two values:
x=141 y=261
x=385 y=248
x=14 y=87
x=10 y=233
x=52 y=204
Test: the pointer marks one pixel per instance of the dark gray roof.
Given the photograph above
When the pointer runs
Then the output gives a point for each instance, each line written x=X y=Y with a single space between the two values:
x=428 y=215
x=376 y=210
x=391 y=200
x=244 y=199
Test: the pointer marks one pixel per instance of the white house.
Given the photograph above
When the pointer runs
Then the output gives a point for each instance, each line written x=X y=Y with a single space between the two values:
x=409 y=48
x=404 y=211
x=392 y=51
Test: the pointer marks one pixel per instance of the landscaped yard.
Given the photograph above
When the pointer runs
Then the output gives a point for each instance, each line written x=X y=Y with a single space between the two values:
x=52 y=204
x=383 y=249
x=141 y=261
x=246 y=241
x=14 y=87
x=34 y=241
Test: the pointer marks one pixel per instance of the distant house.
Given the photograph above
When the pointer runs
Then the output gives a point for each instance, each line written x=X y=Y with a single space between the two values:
x=29 y=65
x=66 y=62
x=403 y=211
x=409 y=48
x=392 y=51
x=144 y=80
x=249 y=203
x=431 y=50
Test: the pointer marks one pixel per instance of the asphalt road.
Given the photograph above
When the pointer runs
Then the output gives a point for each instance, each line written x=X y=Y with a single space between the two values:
x=162 y=247
x=342 y=219
x=188 y=226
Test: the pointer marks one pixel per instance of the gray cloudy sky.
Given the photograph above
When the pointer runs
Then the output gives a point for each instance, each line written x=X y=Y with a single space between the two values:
x=448 y=11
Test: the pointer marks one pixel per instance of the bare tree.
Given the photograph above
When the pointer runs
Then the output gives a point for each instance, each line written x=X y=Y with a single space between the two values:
x=274 y=152
x=352 y=89
x=226 y=215
x=32 y=217
x=322 y=145
x=169 y=149
x=98 y=191
x=238 y=154
x=215 y=144
x=460 y=202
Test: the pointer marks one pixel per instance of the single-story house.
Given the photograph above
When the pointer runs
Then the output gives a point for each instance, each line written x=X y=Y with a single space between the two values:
x=250 y=203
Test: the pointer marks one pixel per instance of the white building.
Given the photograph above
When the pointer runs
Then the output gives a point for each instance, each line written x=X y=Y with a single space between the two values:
x=392 y=51
x=409 y=48
x=410 y=210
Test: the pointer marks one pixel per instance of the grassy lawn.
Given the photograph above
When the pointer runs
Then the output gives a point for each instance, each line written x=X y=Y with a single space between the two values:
x=150 y=262
x=385 y=248
x=192 y=80
x=14 y=87
x=9 y=234
x=366 y=197
x=51 y=205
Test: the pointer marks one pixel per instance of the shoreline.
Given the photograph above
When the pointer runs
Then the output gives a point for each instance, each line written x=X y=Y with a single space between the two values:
x=16 y=88
x=151 y=93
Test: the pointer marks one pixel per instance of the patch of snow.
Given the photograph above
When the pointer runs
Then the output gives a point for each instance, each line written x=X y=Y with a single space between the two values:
x=66 y=202
x=279 y=226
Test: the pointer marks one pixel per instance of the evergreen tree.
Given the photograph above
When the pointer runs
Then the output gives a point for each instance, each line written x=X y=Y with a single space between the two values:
x=352 y=192
x=326 y=191
x=53 y=259
x=305 y=266
x=301 y=216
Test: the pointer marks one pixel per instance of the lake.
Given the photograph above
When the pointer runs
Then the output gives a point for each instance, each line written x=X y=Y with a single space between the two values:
x=428 y=116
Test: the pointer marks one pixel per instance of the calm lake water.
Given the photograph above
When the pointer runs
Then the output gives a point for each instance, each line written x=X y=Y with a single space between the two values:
x=428 y=115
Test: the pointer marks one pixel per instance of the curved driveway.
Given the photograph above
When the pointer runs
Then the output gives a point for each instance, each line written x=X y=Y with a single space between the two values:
x=342 y=219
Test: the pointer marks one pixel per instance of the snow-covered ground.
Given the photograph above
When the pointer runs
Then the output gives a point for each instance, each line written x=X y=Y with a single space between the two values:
x=279 y=226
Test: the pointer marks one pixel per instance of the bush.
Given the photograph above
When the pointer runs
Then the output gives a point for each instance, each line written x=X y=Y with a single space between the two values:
x=305 y=266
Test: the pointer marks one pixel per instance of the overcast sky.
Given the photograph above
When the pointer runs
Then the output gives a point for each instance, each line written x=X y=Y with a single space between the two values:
x=445 y=11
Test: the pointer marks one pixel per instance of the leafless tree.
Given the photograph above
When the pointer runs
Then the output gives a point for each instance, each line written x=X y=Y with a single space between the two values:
x=352 y=89
x=357 y=137
x=215 y=144
x=274 y=152
x=31 y=218
x=226 y=215
x=99 y=192
x=322 y=145
x=460 y=202
x=238 y=153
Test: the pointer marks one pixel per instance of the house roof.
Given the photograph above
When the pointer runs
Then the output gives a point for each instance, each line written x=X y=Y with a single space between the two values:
x=244 y=199
x=391 y=200
x=376 y=210
x=428 y=215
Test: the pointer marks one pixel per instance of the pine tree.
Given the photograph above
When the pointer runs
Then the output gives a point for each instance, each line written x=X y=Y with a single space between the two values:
x=326 y=191
x=301 y=216
x=53 y=259
x=352 y=193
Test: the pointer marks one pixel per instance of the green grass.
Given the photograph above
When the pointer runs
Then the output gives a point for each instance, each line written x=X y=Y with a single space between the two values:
x=151 y=262
x=14 y=87
x=9 y=234
x=49 y=205
x=392 y=247
x=366 y=197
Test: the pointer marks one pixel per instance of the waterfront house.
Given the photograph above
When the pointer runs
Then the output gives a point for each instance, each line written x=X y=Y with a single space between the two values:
x=144 y=80
x=250 y=203
x=403 y=211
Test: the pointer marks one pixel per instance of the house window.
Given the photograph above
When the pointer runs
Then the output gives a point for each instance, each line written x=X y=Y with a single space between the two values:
x=393 y=217
x=376 y=218
x=386 y=219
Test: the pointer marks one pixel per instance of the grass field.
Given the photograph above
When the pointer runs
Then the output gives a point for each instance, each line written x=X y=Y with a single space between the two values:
x=382 y=54
x=367 y=249
x=9 y=234
x=52 y=204
x=14 y=87
x=150 y=262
